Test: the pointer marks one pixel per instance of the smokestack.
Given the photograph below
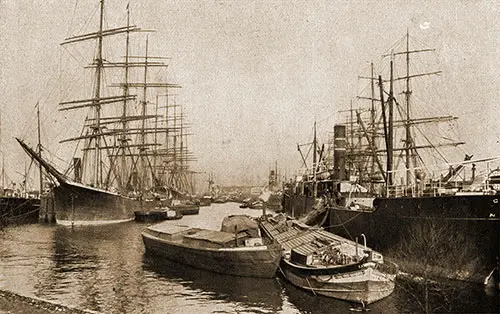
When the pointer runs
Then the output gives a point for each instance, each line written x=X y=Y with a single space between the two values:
x=339 y=142
x=77 y=166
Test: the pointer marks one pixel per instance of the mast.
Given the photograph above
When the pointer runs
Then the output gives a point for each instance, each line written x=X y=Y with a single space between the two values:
x=315 y=144
x=351 y=145
x=39 y=149
x=143 y=124
x=372 y=120
x=390 y=133
x=174 y=151
x=123 y=143
x=97 y=126
x=181 y=151
x=407 y=93
x=167 y=135
x=409 y=145
x=388 y=178
x=155 y=153
x=97 y=96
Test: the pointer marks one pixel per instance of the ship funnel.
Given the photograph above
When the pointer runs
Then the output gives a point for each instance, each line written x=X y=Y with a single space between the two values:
x=339 y=142
x=77 y=166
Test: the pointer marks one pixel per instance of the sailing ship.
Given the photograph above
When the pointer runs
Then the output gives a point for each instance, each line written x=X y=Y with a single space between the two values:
x=134 y=160
x=401 y=206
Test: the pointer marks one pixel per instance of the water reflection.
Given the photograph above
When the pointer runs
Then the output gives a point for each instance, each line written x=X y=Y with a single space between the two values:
x=307 y=302
x=249 y=294
x=94 y=267
x=105 y=269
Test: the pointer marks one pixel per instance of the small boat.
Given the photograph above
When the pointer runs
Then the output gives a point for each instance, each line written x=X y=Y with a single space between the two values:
x=206 y=200
x=329 y=265
x=186 y=209
x=159 y=214
x=252 y=203
x=257 y=205
x=240 y=253
x=221 y=199
x=246 y=203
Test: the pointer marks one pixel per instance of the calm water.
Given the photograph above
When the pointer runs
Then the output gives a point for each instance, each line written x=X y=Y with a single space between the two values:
x=105 y=269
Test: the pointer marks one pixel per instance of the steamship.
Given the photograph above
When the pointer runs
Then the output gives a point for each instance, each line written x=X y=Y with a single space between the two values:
x=402 y=207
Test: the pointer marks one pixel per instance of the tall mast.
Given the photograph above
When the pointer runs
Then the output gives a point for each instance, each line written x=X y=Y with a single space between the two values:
x=39 y=148
x=351 y=145
x=123 y=143
x=409 y=147
x=314 y=160
x=143 y=125
x=181 y=147
x=94 y=135
x=97 y=96
x=166 y=123
x=388 y=178
x=175 y=141
x=155 y=154
x=407 y=124
x=144 y=91
x=390 y=133
x=372 y=116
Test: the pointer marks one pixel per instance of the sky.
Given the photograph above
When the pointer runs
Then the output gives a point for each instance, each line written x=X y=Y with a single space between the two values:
x=255 y=75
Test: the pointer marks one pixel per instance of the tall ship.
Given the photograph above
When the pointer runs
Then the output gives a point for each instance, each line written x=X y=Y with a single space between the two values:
x=384 y=175
x=133 y=143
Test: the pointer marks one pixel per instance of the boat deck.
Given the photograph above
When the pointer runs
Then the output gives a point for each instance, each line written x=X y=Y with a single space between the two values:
x=194 y=237
x=306 y=240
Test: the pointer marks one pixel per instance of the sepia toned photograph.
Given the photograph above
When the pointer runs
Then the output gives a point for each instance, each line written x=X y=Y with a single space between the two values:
x=216 y=156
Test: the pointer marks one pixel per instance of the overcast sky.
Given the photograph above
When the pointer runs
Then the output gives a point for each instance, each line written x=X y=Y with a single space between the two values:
x=255 y=74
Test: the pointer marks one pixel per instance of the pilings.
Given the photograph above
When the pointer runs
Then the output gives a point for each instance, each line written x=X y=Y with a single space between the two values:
x=47 y=212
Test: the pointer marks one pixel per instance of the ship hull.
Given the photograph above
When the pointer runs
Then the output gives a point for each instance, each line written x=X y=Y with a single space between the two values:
x=364 y=285
x=19 y=210
x=260 y=262
x=79 y=205
x=463 y=228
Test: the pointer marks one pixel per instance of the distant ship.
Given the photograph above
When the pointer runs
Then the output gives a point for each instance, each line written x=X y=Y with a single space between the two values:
x=18 y=205
x=18 y=208
x=361 y=186
x=274 y=190
x=134 y=157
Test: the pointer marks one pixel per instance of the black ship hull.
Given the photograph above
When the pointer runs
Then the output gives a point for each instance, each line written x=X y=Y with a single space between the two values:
x=18 y=210
x=76 y=204
x=297 y=205
x=462 y=230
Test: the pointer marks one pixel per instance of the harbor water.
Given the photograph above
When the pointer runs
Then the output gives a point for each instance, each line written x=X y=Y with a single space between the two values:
x=105 y=269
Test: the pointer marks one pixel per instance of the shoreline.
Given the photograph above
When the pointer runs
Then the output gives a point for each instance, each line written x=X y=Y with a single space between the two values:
x=12 y=302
